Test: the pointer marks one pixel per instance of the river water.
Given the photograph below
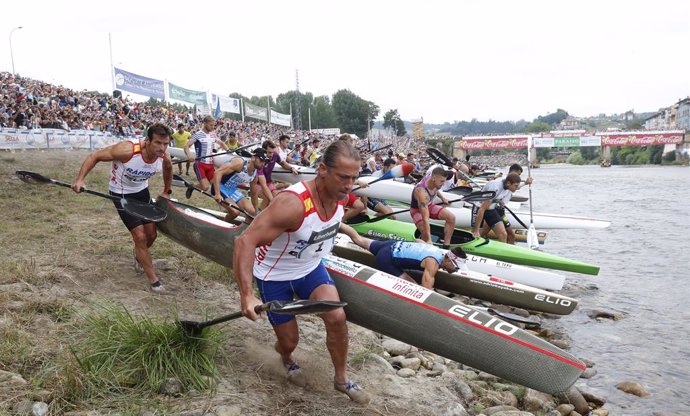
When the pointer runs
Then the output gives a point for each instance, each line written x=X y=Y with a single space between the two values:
x=644 y=258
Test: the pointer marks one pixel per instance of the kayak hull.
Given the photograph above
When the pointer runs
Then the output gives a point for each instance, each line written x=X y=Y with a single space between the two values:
x=473 y=284
x=404 y=311
x=411 y=313
x=388 y=229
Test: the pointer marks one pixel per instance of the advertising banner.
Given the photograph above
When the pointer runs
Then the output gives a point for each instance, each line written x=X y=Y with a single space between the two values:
x=176 y=92
x=227 y=104
x=493 y=142
x=641 y=138
x=139 y=84
x=280 y=119
x=254 y=111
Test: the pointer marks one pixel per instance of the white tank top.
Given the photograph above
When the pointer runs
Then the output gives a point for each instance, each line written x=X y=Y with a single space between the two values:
x=132 y=175
x=295 y=254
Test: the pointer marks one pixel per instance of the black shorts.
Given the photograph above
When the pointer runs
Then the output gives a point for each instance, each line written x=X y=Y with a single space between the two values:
x=130 y=221
x=491 y=217
x=373 y=202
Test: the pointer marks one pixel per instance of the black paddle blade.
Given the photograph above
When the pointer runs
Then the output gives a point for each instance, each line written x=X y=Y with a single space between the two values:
x=191 y=328
x=479 y=196
x=438 y=156
x=143 y=210
x=32 y=177
x=299 y=307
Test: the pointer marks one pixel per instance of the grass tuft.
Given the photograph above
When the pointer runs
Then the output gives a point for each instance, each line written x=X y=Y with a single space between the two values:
x=118 y=353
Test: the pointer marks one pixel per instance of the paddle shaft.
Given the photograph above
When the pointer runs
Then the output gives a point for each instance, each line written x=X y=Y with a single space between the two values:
x=88 y=191
x=464 y=198
x=222 y=201
x=218 y=154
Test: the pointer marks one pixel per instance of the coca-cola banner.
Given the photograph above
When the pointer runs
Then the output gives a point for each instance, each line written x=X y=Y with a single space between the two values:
x=494 y=142
x=641 y=138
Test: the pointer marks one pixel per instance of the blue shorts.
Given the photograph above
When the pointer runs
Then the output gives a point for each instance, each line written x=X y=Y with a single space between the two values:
x=231 y=192
x=384 y=257
x=302 y=288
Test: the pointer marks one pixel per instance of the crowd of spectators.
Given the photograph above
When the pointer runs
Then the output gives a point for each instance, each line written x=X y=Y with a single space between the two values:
x=31 y=104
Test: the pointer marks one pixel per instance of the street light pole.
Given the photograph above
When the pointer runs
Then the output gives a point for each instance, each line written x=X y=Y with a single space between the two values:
x=11 y=53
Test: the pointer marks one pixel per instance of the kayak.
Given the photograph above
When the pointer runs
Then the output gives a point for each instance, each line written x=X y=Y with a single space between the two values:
x=520 y=235
x=387 y=229
x=539 y=278
x=398 y=191
x=404 y=311
x=473 y=284
x=305 y=173
x=443 y=326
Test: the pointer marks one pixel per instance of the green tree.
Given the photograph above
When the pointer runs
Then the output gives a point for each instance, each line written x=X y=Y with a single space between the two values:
x=400 y=128
x=392 y=122
x=322 y=114
x=537 y=127
x=352 y=112
x=589 y=153
x=553 y=119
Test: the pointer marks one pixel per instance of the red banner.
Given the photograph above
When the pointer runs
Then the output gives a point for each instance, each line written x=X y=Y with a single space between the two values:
x=482 y=144
x=641 y=139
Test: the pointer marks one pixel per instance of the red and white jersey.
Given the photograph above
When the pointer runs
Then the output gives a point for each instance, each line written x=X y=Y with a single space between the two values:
x=294 y=254
x=133 y=175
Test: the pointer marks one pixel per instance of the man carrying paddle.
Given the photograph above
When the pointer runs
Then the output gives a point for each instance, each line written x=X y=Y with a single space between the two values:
x=394 y=257
x=281 y=252
x=203 y=141
x=133 y=163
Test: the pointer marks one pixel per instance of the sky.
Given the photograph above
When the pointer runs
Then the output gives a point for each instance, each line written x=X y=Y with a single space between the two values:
x=438 y=60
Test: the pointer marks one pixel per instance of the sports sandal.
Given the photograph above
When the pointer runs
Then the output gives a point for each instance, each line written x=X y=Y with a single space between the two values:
x=353 y=391
x=294 y=375
x=157 y=287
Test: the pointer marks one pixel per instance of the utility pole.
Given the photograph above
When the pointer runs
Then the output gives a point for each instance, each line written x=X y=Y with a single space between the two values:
x=298 y=106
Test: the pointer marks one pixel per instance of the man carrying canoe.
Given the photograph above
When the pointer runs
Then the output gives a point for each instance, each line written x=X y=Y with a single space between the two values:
x=228 y=178
x=394 y=257
x=133 y=163
x=423 y=208
x=490 y=214
x=281 y=252
x=203 y=141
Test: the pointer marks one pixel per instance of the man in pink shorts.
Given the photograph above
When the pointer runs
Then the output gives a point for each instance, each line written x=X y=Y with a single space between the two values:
x=423 y=207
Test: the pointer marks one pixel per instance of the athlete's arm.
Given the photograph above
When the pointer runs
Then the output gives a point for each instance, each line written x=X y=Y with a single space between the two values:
x=264 y=188
x=222 y=144
x=423 y=203
x=430 y=266
x=354 y=236
x=480 y=217
x=187 y=145
x=121 y=151
x=167 y=176
x=276 y=219
x=235 y=165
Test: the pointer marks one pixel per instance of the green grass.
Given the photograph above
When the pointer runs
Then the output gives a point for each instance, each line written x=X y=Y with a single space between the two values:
x=118 y=353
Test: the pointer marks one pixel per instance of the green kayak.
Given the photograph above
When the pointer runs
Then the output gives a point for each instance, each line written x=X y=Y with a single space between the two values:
x=388 y=229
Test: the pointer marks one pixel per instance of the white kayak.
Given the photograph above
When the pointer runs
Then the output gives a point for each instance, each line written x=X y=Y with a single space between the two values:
x=480 y=266
x=279 y=173
x=398 y=191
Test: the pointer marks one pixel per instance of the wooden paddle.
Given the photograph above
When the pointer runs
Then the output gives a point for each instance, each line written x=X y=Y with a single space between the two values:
x=139 y=209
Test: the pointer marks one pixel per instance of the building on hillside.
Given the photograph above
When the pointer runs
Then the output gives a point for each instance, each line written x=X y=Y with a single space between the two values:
x=661 y=120
x=683 y=115
x=569 y=123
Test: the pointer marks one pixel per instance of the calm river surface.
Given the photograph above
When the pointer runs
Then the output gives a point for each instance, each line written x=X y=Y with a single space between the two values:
x=644 y=258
